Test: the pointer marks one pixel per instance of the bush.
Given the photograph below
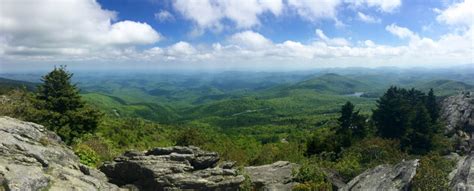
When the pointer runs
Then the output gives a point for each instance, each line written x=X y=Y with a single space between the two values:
x=366 y=154
x=86 y=155
x=432 y=173
x=311 y=177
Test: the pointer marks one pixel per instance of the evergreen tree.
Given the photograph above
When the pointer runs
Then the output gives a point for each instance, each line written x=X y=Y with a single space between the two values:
x=432 y=106
x=60 y=108
x=345 y=120
x=419 y=137
x=352 y=125
x=410 y=116
x=390 y=115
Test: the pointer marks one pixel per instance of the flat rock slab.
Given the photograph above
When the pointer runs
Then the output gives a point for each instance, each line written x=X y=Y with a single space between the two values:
x=276 y=176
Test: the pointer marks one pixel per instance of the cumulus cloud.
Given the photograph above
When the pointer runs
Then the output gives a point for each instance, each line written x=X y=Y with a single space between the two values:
x=367 y=18
x=209 y=14
x=250 y=39
x=71 y=27
x=461 y=13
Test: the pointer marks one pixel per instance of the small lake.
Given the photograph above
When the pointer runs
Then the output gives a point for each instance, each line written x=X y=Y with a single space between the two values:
x=355 y=94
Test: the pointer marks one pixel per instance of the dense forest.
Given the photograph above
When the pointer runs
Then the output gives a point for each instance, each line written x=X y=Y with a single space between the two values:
x=325 y=121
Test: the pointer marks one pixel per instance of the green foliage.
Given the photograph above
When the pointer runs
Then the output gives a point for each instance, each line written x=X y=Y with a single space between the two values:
x=135 y=133
x=366 y=154
x=323 y=140
x=432 y=173
x=8 y=85
x=190 y=136
x=408 y=115
x=60 y=108
x=17 y=104
x=311 y=176
x=352 y=126
x=86 y=155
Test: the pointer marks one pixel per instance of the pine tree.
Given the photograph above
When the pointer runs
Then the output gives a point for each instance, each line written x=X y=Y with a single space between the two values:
x=352 y=125
x=390 y=115
x=60 y=108
x=432 y=106
x=419 y=138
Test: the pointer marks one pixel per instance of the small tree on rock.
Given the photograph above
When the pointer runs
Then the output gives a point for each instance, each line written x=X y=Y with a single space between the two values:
x=60 y=108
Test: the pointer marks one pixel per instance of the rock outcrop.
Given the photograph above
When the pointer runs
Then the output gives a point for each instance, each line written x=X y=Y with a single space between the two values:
x=458 y=113
x=276 y=176
x=462 y=177
x=385 y=177
x=32 y=158
x=172 y=168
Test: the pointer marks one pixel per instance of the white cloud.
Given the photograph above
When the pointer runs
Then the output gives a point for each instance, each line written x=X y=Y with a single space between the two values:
x=209 y=14
x=181 y=48
x=314 y=10
x=331 y=41
x=461 y=13
x=382 y=5
x=401 y=32
x=367 y=18
x=72 y=27
x=129 y=32
x=250 y=39
x=164 y=16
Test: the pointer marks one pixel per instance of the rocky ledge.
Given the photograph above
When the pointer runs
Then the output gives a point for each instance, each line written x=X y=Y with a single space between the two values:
x=458 y=112
x=172 y=168
x=32 y=158
x=385 y=177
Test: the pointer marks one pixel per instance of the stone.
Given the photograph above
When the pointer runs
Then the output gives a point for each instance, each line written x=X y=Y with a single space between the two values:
x=276 y=176
x=172 y=168
x=458 y=113
x=462 y=177
x=33 y=158
x=385 y=177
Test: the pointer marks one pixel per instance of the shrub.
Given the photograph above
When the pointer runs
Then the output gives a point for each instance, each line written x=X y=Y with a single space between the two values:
x=366 y=154
x=311 y=177
x=432 y=173
x=86 y=155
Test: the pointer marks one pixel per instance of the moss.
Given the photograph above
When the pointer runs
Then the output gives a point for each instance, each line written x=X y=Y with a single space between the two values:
x=44 y=141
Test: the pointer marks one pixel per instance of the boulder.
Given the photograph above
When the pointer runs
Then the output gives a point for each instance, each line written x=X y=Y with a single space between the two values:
x=276 y=176
x=172 y=168
x=385 y=177
x=33 y=158
x=458 y=113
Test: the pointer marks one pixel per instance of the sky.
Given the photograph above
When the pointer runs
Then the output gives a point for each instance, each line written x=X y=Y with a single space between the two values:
x=234 y=34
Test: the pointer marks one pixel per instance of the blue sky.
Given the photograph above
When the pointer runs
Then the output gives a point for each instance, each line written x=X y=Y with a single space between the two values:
x=414 y=14
x=253 y=34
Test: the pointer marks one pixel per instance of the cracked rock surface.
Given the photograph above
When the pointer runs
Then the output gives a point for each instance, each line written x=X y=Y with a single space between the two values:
x=33 y=158
x=172 y=168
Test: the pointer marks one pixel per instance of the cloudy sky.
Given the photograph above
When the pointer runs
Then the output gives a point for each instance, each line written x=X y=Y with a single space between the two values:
x=265 y=34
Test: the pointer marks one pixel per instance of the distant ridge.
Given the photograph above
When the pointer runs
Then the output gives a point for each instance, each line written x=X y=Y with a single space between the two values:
x=7 y=85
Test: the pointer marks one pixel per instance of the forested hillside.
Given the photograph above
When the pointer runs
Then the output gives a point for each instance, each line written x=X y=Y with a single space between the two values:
x=345 y=122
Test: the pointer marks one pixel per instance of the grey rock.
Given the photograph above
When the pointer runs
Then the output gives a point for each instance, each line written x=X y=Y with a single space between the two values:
x=276 y=176
x=33 y=158
x=385 y=177
x=458 y=113
x=172 y=168
x=462 y=177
